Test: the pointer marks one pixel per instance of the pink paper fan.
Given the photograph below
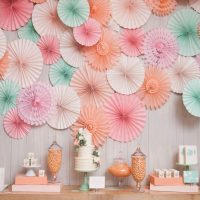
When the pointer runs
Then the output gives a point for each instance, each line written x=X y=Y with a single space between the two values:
x=3 y=44
x=89 y=33
x=126 y=115
x=131 y=42
x=71 y=51
x=91 y=86
x=46 y=21
x=35 y=104
x=50 y=48
x=14 y=13
x=14 y=126
x=95 y=121
x=160 y=48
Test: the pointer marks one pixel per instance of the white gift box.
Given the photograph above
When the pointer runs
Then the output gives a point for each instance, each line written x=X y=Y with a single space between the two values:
x=181 y=155
x=191 y=157
x=168 y=173
x=159 y=173
x=175 y=173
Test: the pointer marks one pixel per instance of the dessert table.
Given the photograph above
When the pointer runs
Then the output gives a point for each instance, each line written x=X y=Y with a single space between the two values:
x=72 y=193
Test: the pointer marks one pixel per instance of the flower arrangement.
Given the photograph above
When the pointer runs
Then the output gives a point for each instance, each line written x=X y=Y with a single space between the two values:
x=80 y=139
x=96 y=157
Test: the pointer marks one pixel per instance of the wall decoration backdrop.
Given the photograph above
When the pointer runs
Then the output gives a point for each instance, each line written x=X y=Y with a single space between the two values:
x=164 y=130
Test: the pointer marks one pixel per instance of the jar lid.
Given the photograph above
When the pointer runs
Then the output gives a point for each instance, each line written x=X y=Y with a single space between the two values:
x=138 y=152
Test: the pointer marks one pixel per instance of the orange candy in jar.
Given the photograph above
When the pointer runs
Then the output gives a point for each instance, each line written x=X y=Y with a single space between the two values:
x=54 y=159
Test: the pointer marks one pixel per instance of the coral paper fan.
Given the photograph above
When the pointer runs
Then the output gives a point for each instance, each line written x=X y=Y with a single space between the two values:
x=67 y=107
x=105 y=53
x=35 y=104
x=25 y=62
x=91 y=86
x=61 y=73
x=191 y=97
x=28 y=32
x=45 y=19
x=160 y=48
x=127 y=76
x=162 y=7
x=184 y=26
x=14 y=126
x=38 y=1
x=195 y=4
x=14 y=13
x=100 y=10
x=126 y=115
x=95 y=121
x=50 y=48
x=71 y=51
x=131 y=42
x=155 y=90
x=8 y=95
x=89 y=33
x=3 y=43
x=130 y=14
x=183 y=70
x=73 y=13
x=3 y=65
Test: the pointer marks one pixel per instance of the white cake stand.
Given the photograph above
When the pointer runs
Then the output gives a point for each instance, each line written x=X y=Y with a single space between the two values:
x=30 y=170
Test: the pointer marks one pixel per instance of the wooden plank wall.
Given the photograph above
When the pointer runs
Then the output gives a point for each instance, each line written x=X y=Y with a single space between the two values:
x=164 y=131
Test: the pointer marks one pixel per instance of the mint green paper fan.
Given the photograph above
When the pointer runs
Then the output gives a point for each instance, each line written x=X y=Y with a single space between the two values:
x=28 y=32
x=61 y=73
x=73 y=13
x=191 y=97
x=8 y=95
x=184 y=25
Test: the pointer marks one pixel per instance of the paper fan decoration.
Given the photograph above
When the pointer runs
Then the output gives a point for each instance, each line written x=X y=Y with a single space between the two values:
x=184 y=25
x=105 y=53
x=183 y=70
x=25 y=62
x=162 y=7
x=38 y=1
x=126 y=115
x=71 y=51
x=91 y=86
x=191 y=98
x=67 y=107
x=127 y=76
x=50 y=49
x=61 y=73
x=131 y=42
x=3 y=43
x=155 y=90
x=112 y=25
x=100 y=10
x=89 y=33
x=160 y=48
x=8 y=94
x=73 y=13
x=15 y=127
x=130 y=14
x=28 y=32
x=198 y=59
x=35 y=104
x=95 y=121
x=195 y=4
x=45 y=19
x=14 y=13
x=3 y=65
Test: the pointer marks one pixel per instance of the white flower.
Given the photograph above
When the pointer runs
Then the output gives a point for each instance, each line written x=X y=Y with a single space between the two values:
x=96 y=159
x=81 y=130
x=81 y=137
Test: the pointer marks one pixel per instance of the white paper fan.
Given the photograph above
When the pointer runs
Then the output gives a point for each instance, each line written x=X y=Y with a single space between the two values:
x=130 y=13
x=195 y=4
x=71 y=51
x=3 y=43
x=25 y=62
x=183 y=70
x=67 y=107
x=127 y=76
x=45 y=19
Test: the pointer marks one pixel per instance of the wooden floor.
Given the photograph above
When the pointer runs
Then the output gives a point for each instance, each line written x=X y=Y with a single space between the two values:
x=72 y=193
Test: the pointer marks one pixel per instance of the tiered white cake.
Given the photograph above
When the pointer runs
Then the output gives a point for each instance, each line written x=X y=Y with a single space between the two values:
x=84 y=161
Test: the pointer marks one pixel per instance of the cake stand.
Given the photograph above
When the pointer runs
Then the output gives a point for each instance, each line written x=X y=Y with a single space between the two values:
x=30 y=170
x=85 y=184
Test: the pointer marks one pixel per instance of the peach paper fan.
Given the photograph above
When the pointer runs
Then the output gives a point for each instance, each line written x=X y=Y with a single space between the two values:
x=50 y=49
x=162 y=7
x=155 y=90
x=3 y=65
x=126 y=115
x=95 y=121
x=105 y=53
x=92 y=86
